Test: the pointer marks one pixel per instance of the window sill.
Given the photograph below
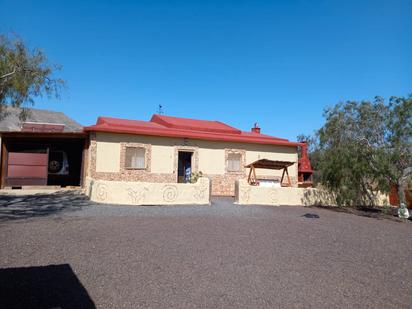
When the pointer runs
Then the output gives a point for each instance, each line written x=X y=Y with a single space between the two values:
x=235 y=172
x=135 y=168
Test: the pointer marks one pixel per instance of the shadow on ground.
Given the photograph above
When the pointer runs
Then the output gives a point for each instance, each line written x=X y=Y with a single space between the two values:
x=369 y=212
x=321 y=199
x=52 y=286
x=14 y=207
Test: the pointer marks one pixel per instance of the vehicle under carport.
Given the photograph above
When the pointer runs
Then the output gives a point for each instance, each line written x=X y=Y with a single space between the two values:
x=46 y=159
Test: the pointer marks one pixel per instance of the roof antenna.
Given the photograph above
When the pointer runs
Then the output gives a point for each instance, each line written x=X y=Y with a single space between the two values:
x=160 y=110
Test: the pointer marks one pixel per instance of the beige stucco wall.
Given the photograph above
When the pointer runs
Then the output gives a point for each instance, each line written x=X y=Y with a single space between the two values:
x=272 y=152
x=146 y=193
x=255 y=195
x=162 y=159
x=211 y=160
x=108 y=149
x=107 y=156
x=211 y=154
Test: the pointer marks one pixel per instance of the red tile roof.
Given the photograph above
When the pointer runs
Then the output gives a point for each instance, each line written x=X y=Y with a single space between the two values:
x=161 y=125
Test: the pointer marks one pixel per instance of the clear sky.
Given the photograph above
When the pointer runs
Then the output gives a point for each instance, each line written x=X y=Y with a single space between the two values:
x=275 y=62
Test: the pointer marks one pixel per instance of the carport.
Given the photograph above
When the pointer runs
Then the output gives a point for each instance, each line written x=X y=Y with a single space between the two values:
x=45 y=149
x=42 y=159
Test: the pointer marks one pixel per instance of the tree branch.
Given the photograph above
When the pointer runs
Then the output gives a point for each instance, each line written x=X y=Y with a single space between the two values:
x=406 y=172
x=8 y=74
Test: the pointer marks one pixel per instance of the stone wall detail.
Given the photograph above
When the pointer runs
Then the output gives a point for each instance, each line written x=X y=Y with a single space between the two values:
x=244 y=194
x=202 y=190
x=137 y=196
x=224 y=185
x=170 y=193
x=148 y=193
x=101 y=192
x=289 y=196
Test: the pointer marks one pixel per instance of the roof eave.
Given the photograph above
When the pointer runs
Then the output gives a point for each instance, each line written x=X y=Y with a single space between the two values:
x=193 y=136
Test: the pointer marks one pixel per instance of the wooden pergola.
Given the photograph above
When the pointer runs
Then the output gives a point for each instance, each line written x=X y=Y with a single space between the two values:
x=272 y=165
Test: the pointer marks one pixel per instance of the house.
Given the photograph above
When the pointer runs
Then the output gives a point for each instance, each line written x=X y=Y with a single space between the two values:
x=165 y=149
x=47 y=148
x=164 y=161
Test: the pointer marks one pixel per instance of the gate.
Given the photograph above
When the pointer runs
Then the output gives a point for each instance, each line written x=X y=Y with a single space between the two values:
x=26 y=169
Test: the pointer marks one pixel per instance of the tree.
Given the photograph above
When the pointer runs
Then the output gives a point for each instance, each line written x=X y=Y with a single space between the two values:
x=399 y=143
x=365 y=147
x=24 y=75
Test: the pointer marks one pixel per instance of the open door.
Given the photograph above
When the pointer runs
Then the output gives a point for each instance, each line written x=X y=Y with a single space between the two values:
x=184 y=168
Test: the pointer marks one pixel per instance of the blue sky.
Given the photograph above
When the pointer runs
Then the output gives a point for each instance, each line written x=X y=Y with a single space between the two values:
x=276 y=62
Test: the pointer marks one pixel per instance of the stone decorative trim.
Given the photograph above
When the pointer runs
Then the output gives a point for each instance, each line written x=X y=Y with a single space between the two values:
x=101 y=192
x=147 y=160
x=91 y=169
x=149 y=193
x=242 y=153
x=137 y=196
x=170 y=193
x=202 y=190
x=195 y=157
x=288 y=196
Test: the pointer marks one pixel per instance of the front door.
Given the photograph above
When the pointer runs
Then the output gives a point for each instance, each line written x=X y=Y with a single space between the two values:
x=184 y=167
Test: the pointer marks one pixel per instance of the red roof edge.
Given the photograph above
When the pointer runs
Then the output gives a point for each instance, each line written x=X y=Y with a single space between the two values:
x=179 y=133
x=194 y=124
x=100 y=120
x=168 y=126
x=157 y=119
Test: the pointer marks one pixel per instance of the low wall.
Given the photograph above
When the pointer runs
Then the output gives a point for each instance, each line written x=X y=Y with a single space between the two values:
x=255 y=195
x=148 y=193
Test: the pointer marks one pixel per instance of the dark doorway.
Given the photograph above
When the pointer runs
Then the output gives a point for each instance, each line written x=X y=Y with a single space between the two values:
x=65 y=162
x=184 y=168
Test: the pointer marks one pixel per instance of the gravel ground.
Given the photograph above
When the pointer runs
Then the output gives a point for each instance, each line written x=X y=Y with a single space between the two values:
x=62 y=250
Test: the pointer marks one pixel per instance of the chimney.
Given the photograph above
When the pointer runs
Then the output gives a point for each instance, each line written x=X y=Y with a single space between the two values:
x=256 y=128
x=304 y=162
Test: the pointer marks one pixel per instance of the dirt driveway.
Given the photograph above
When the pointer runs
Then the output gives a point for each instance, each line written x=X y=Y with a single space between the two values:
x=63 y=251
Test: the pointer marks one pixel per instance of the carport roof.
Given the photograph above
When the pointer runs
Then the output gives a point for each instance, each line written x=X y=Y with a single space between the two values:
x=12 y=123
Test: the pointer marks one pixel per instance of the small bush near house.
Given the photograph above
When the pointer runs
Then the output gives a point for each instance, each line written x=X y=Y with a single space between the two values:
x=195 y=176
x=387 y=210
